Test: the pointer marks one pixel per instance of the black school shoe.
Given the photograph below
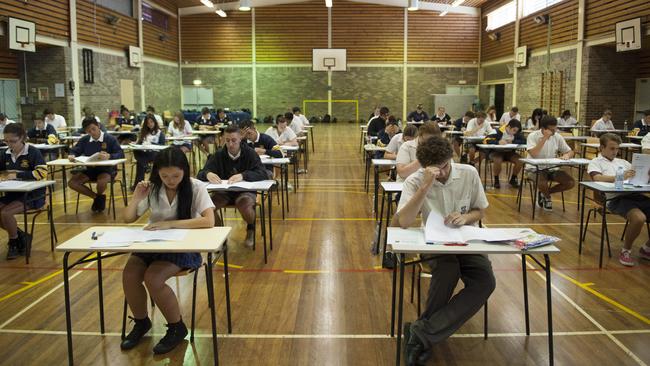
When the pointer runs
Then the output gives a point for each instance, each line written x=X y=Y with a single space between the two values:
x=176 y=333
x=140 y=328
x=12 y=250
x=101 y=203
x=414 y=352
x=24 y=240
x=513 y=182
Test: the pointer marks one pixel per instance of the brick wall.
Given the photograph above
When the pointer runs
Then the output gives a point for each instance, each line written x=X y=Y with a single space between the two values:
x=162 y=87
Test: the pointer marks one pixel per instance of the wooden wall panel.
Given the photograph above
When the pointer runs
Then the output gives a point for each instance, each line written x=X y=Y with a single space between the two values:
x=452 y=38
x=602 y=15
x=210 y=38
x=505 y=45
x=51 y=17
x=92 y=27
x=287 y=33
x=166 y=49
x=167 y=4
x=564 y=26
x=370 y=33
x=8 y=61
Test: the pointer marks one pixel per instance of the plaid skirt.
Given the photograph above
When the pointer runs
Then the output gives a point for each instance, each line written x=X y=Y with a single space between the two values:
x=182 y=260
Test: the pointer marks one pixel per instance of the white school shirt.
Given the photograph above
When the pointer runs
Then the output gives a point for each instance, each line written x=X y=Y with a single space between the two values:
x=601 y=125
x=186 y=131
x=608 y=167
x=484 y=130
x=304 y=120
x=152 y=139
x=505 y=118
x=162 y=210
x=462 y=192
x=3 y=125
x=57 y=122
x=296 y=125
x=282 y=138
x=567 y=122
x=554 y=145
x=159 y=120
x=406 y=155
x=395 y=144
x=530 y=125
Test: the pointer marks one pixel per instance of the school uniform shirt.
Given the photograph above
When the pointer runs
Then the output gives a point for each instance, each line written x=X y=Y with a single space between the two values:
x=131 y=120
x=444 y=118
x=57 y=122
x=157 y=138
x=462 y=192
x=418 y=117
x=484 y=130
x=530 y=125
x=406 y=155
x=395 y=143
x=36 y=133
x=304 y=120
x=459 y=124
x=554 y=145
x=30 y=165
x=162 y=210
x=159 y=120
x=286 y=135
x=88 y=146
x=643 y=128
x=501 y=134
x=247 y=163
x=608 y=167
x=267 y=143
x=567 y=122
x=505 y=118
x=602 y=125
x=185 y=131
x=296 y=124
x=205 y=122
x=3 y=125
x=375 y=125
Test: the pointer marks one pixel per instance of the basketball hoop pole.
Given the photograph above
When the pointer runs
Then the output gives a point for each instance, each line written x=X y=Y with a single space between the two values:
x=329 y=90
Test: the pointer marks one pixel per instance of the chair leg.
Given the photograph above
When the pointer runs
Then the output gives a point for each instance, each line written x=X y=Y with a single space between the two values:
x=485 y=320
x=609 y=249
x=625 y=229
x=124 y=320
x=76 y=210
x=419 y=290
x=412 y=282
x=196 y=273
x=563 y=207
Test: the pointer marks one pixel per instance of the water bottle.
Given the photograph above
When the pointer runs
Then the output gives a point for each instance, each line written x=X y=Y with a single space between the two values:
x=625 y=125
x=620 y=177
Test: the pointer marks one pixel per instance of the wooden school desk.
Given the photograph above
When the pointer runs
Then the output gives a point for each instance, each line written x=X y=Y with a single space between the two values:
x=198 y=240
x=411 y=241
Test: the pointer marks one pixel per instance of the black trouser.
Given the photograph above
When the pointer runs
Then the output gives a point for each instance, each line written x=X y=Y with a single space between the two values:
x=143 y=159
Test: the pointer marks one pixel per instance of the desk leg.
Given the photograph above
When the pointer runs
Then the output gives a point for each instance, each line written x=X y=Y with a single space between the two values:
x=281 y=188
x=535 y=191
x=549 y=307
x=375 y=250
x=53 y=237
x=28 y=246
x=270 y=201
x=602 y=235
x=311 y=133
x=388 y=217
x=65 y=185
x=100 y=288
x=582 y=220
x=400 y=309
x=286 y=183
x=366 y=177
x=376 y=190
x=124 y=192
x=521 y=187
x=525 y=278
x=113 y=196
x=213 y=316
x=392 y=307
x=227 y=283
x=263 y=223
x=68 y=322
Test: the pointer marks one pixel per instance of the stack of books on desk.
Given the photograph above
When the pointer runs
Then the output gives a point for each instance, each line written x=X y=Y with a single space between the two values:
x=533 y=240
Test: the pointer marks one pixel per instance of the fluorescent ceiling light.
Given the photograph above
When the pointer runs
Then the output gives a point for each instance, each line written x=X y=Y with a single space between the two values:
x=207 y=3
x=244 y=5
x=457 y=2
x=413 y=5
x=221 y=13
x=328 y=3
x=197 y=82
x=443 y=13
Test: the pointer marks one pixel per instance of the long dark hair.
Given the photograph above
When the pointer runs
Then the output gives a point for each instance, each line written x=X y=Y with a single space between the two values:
x=146 y=131
x=174 y=157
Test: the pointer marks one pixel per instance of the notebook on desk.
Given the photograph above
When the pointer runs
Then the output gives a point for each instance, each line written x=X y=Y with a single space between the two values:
x=436 y=232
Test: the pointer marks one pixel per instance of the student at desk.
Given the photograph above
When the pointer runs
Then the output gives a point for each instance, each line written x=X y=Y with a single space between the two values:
x=566 y=120
x=407 y=162
x=477 y=127
x=384 y=137
x=95 y=141
x=410 y=133
x=460 y=125
x=418 y=115
x=179 y=127
x=53 y=119
x=512 y=114
x=634 y=207
x=377 y=124
x=643 y=125
x=150 y=134
x=4 y=121
x=441 y=116
x=507 y=134
x=205 y=122
x=176 y=201
x=25 y=162
x=546 y=143
x=281 y=133
x=454 y=191
x=126 y=122
x=42 y=132
x=262 y=143
x=604 y=123
x=234 y=163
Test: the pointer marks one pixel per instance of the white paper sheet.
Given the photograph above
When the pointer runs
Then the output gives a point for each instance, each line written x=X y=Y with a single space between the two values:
x=436 y=232
x=641 y=166
x=245 y=185
x=85 y=159
x=126 y=236
x=13 y=184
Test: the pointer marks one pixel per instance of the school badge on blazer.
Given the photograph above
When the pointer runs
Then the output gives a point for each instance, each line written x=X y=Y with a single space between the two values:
x=24 y=164
x=103 y=146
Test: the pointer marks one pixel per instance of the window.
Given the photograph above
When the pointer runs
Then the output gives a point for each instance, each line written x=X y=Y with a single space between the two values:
x=154 y=16
x=503 y=15
x=532 y=6
x=121 y=6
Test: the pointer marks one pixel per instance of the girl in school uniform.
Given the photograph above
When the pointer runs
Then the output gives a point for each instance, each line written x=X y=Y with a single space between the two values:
x=25 y=162
x=126 y=122
x=180 y=128
x=281 y=133
x=150 y=134
x=176 y=201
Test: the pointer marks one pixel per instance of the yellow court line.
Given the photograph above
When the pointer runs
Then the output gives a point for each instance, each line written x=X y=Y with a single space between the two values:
x=230 y=265
x=29 y=285
x=587 y=287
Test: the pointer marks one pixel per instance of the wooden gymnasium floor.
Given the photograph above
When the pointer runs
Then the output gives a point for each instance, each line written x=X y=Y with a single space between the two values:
x=322 y=299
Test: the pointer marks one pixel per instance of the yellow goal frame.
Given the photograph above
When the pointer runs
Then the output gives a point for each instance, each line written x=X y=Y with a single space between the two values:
x=356 y=104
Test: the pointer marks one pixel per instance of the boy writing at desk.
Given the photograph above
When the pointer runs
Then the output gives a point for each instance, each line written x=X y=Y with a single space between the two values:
x=455 y=192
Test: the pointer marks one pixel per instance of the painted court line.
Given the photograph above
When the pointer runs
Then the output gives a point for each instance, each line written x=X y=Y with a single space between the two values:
x=326 y=336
